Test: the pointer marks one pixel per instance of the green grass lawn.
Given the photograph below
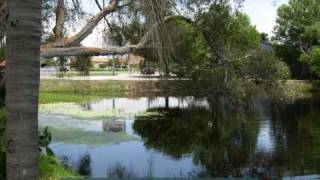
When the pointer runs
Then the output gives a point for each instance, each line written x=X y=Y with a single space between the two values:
x=84 y=86
x=50 y=97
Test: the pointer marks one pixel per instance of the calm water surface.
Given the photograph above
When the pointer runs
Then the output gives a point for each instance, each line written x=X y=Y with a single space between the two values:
x=186 y=137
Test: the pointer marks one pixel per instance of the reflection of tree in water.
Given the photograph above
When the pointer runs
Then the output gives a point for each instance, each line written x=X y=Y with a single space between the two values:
x=171 y=134
x=224 y=141
x=86 y=107
x=219 y=144
x=297 y=128
x=82 y=166
x=119 y=171
x=114 y=126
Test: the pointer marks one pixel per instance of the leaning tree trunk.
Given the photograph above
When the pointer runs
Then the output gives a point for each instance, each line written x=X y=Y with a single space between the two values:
x=22 y=88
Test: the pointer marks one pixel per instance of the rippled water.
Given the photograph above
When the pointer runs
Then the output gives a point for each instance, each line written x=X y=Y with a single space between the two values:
x=186 y=137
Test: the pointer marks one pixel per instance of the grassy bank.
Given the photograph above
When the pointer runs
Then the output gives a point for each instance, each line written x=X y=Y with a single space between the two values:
x=301 y=88
x=52 y=97
x=111 y=86
x=85 y=90
x=116 y=87
x=51 y=169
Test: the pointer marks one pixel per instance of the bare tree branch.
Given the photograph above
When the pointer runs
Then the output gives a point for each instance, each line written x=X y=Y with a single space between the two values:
x=89 y=51
x=86 y=30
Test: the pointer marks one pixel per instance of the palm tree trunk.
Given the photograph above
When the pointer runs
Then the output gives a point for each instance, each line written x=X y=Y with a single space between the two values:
x=22 y=88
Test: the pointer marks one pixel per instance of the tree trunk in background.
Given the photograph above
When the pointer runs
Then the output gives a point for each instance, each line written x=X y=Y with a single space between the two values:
x=58 y=32
x=22 y=87
x=60 y=19
x=113 y=66
x=83 y=64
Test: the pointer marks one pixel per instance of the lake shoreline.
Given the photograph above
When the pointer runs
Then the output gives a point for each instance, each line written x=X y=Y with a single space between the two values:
x=134 y=88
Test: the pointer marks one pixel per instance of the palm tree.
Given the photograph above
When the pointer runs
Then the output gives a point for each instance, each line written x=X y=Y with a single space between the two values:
x=22 y=87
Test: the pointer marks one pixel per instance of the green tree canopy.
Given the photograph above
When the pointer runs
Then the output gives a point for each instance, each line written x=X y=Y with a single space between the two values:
x=298 y=23
x=298 y=29
x=222 y=51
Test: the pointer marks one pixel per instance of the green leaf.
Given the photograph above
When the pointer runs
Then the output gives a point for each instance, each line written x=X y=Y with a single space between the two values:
x=49 y=151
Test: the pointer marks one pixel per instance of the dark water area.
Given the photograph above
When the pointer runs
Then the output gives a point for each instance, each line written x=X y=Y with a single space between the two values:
x=187 y=137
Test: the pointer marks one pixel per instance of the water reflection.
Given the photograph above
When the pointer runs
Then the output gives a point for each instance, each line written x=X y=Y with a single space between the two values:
x=261 y=143
x=114 y=126
x=118 y=107
x=119 y=171
x=188 y=137
x=221 y=147
x=142 y=104
x=82 y=166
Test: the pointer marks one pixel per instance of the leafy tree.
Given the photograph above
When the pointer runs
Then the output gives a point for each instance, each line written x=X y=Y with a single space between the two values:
x=190 y=48
x=315 y=60
x=222 y=52
x=130 y=32
x=298 y=28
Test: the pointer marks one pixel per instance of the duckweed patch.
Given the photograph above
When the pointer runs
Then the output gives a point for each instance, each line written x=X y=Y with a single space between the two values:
x=78 y=136
x=74 y=110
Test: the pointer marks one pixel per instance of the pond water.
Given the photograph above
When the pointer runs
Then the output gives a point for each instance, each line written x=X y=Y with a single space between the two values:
x=186 y=137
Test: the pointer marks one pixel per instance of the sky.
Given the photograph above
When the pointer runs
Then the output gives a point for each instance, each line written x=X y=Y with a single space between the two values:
x=262 y=13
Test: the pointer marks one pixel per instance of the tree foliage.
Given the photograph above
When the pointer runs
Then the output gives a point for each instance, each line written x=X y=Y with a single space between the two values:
x=315 y=60
x=298 y=29
x=222 y=52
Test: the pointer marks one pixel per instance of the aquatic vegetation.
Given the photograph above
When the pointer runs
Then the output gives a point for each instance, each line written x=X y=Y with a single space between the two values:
x=75 y=110
x=93 y=138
